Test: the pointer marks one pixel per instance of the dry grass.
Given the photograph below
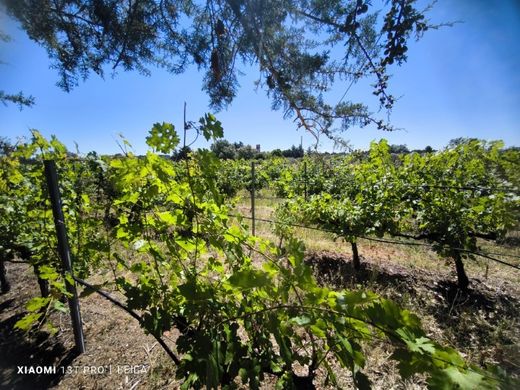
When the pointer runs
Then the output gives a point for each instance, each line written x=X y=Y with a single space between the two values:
x=413 y=256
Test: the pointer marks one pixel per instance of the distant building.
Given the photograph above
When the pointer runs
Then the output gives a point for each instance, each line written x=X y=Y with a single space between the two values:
x=258 y=148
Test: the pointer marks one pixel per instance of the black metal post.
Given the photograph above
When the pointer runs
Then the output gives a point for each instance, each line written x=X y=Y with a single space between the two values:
x=305 y=180
x=253 y=196
x=64 y=251
x=4 y=282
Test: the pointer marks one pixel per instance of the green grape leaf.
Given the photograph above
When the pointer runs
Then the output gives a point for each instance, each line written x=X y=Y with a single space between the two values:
x=249 y=279
x=27 y=321
x=163 y=138
x=452 y=376
x=37 y=303
x=211 y=127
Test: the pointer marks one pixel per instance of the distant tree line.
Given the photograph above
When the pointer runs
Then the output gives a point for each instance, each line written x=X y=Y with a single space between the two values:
x=403 y=149
x=294 y=151
x=238 y=150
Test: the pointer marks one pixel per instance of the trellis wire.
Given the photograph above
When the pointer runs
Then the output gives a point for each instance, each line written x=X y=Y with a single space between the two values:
x=481 y=254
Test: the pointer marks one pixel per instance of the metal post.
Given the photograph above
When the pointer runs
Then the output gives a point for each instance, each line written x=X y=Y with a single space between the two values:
x=305 y=179
x=64 y=252
x=253 y=196
x=4 y=283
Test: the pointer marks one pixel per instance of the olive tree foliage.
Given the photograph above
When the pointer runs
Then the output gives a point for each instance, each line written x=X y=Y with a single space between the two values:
x=290 y=41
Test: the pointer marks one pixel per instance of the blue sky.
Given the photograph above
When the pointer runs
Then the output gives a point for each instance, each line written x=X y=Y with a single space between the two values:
x=460 y=81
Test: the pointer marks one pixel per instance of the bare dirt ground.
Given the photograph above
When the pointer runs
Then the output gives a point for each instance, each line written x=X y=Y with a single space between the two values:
x=119 y=355
x=482 y=323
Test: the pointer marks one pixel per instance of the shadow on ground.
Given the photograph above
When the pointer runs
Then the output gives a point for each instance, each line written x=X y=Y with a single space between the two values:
x=483 y=320
x=337 y=271
x=33 y=351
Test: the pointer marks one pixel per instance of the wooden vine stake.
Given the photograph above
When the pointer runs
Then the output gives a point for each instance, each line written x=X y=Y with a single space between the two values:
x=64 y=252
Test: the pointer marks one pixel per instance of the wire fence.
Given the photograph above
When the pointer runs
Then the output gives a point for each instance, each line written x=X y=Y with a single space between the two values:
x=389 y=241
x=480 y=189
